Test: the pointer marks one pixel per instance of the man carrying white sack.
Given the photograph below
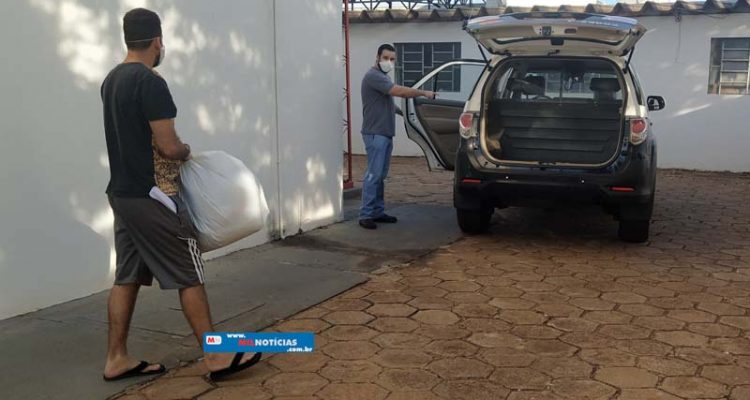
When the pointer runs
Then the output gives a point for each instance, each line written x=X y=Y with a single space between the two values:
x=152 y=238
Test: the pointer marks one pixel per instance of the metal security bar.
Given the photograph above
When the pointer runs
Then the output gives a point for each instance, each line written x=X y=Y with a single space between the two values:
x=414 y=60
x=734 y=70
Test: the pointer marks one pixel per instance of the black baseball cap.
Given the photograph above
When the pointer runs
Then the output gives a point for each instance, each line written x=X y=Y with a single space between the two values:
x=141 y=24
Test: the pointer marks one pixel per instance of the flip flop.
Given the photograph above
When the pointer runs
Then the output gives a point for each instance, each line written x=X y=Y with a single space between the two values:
x=235 y=366
x=138 y=370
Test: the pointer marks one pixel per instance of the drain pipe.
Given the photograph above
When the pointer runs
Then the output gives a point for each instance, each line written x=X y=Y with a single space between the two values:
x=279 y=221
x=348 y=181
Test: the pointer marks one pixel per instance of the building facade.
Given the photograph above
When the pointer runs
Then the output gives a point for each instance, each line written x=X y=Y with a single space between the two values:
x=696 y=55
x=243 y=82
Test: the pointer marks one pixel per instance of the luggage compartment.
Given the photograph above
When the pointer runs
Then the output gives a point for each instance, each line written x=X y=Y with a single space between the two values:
x=555 y=112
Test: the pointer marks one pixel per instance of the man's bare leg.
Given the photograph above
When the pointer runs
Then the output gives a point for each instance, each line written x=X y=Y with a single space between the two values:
x=195 y=306
x=120 y=309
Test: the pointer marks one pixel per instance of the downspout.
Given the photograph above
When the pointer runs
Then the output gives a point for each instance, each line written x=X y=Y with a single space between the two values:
x=279 y=220
x=348 y=181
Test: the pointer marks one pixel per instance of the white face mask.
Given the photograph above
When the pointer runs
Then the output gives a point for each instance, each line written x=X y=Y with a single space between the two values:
x=162 y=54
x=386 y=66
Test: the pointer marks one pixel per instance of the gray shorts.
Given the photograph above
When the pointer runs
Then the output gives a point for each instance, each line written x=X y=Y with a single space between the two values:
x=152 y=241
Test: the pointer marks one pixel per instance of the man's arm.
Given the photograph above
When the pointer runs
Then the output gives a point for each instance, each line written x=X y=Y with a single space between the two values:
x=167 y=142
x=408 y=93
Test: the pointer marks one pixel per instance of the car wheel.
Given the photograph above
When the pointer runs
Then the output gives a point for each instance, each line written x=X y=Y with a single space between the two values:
x=474 y=221
x=634 y=231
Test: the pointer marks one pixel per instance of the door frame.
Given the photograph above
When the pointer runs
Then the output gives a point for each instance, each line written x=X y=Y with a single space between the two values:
x=413 y=126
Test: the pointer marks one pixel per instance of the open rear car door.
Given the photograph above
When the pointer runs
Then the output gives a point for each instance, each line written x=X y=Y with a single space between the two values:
x=433 y=123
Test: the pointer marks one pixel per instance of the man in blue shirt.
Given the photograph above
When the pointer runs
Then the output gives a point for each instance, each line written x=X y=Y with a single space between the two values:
x=378 y=129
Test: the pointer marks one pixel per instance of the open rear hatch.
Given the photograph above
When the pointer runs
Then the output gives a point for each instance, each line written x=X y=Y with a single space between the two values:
x=554 y=112
x=539 y=33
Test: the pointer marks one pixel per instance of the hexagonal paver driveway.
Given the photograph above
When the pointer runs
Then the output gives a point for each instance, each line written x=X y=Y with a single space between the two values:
x=548 y=306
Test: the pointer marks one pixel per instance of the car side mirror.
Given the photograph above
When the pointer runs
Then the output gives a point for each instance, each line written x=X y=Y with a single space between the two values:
x=399 y=112
x=655 y=103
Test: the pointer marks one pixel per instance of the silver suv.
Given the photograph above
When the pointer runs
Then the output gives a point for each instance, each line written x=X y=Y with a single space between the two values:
x=555 y=114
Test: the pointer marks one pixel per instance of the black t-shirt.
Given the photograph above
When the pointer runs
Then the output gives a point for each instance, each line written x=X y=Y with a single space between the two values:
x=133 y=95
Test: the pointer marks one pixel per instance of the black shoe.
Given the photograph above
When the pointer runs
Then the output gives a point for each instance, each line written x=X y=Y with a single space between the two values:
x=367 y=223
x=235 y=366
x=386 y=219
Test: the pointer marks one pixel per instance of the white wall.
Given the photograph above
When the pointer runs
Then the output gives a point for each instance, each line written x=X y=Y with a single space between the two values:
x=695 y=131
x=309 y=69
x=229 y=64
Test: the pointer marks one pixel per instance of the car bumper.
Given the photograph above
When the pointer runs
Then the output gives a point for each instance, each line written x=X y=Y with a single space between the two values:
x=628 y=181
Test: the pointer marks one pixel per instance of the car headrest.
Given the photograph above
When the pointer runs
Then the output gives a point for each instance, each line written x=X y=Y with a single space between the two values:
x=519 y=87
x=605 y=85
x=537 y=87
x=515 y=85
x=530 y=85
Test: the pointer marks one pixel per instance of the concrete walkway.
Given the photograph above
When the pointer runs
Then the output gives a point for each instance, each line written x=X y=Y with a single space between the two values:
x=58 y=352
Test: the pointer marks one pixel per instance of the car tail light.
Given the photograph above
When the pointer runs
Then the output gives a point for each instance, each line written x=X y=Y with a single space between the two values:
x=638 y=130
x=466 y=125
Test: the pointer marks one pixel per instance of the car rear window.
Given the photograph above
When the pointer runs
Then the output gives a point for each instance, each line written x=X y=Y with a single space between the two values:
x=584 y=80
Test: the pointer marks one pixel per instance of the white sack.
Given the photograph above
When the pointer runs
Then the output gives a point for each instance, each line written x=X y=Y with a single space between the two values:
x=223 y=198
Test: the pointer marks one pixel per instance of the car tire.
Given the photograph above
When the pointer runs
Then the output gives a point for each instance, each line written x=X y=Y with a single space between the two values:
x=634 y=231
x=474 y=221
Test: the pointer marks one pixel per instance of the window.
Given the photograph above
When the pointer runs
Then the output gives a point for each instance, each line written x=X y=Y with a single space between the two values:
x=730 y=66
x=559 y=85
x=461 y=89
x=567 y=81
x=414 y=60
